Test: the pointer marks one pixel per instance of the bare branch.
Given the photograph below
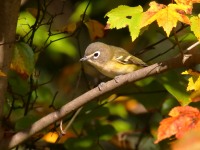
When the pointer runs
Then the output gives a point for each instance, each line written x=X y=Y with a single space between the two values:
x=94 y=93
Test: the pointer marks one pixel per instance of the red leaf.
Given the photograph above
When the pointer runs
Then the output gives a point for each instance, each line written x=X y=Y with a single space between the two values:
x=183 y=119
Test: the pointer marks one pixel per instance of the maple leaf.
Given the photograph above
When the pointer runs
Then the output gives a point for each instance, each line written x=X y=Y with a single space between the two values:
x=125 y=16
x=195 y=96
x=183 y=119
x=166 y=16
x=95 y=28
x=195 y=26
x=70 y=27
x=190 y=141
x=187 y=2
x=193 y=84
x=194 y=81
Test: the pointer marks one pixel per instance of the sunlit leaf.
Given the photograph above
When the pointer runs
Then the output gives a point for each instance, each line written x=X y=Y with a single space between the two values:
x=124 y=16
x=181 y=120
x=56 y=42
x=121 y=125
x=166 y=16
x=195 y=26
x=187 y=2
x=79 y=10
x=51 y=137
x=195 y=96
x=194 y=84
x=190 y=141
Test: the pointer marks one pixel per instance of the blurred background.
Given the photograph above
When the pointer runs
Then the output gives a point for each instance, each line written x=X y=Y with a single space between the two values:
x=53 y=35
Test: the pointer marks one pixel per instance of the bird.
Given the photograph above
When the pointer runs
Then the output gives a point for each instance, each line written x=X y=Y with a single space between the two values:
x=110 y=60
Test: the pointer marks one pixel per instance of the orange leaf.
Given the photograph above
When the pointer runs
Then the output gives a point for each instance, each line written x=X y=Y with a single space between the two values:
x=51 y=137
x=166 y=16
x=187 y=2
x=149 y=15
x=190 y=141
x=70 y=27
x=96 y=29
x=183 y=119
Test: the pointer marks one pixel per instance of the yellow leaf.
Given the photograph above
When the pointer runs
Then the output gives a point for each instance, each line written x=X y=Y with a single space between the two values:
x=185 y=72
x=50 y=137
x=194 y=81
x=195 y=96
x=195 y=26
x=166 y=16
x=194 y=84
x=2 y=74
x=150 y=15
x=187 y=2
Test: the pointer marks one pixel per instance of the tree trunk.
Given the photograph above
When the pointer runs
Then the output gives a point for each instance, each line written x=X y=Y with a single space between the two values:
x=9 y=10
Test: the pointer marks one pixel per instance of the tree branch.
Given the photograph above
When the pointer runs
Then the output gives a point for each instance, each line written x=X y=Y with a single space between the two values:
x=179 y=61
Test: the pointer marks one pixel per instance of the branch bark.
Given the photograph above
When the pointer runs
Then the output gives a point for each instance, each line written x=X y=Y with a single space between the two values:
x=9 y=10
x=188 y=60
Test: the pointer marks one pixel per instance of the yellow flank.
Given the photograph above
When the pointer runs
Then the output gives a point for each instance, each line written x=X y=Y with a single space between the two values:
x=114 y=68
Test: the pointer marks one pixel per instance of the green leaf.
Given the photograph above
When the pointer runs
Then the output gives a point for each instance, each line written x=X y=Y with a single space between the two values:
x=147 y=142
x=176 y=85
x=121 y=125
x=23 y=59
x=18 y=84
x=107 y=132
x=58 y=42
x=25 y=122
x=124 y=16
x=83 y=143
x=118 y=109
x=195 y=26
x=79 y=10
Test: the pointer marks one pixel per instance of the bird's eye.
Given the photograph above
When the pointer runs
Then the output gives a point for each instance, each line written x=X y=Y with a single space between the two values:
x=96 y=54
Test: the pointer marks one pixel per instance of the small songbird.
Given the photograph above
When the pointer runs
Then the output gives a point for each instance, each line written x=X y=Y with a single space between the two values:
x=111 y=61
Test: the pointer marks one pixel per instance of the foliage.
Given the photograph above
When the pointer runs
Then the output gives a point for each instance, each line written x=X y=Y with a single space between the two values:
x=45 y=74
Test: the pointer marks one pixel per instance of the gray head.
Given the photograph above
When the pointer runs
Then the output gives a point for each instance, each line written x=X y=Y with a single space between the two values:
x=97 y=53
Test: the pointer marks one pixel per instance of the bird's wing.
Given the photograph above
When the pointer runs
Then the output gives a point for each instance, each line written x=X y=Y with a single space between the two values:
x=122 y=56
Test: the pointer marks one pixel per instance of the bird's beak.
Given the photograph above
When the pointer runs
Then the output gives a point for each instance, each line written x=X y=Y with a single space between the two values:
x=84 y=58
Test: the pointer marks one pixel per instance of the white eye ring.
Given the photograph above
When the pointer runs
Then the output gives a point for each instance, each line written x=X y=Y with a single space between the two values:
x=96 y=54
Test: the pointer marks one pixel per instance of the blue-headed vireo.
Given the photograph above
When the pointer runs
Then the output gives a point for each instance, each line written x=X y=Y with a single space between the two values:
x=111 y=61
